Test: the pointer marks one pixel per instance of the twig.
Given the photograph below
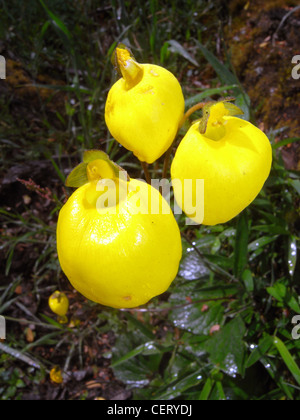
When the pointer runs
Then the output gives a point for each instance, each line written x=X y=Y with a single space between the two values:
x=19 y=355
x=285 y=17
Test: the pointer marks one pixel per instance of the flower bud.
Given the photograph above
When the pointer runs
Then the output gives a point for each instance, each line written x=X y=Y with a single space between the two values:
x=59 y=303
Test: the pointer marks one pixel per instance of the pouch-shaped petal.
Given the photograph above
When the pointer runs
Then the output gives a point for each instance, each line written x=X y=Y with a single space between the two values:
x=144 y=108
x=233 y=157
x=120 y=254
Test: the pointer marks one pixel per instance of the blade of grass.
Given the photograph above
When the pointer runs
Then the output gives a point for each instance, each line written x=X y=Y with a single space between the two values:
x=285 y=142
x=241 y=245
x=57 y=22
x=227 y=77
x=206 y=390
x=58 y=171
x=222 y=71
x=138 y=350
x=175 y=47
x=288 y=359
x=263 y=347
x=271 y=368
x=207 y=93
x=220 y=389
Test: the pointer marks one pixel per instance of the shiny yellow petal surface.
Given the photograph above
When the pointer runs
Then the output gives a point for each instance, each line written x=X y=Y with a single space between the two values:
x=233 y=158
x=59 y=303
x=144 y=115
x=122 y=259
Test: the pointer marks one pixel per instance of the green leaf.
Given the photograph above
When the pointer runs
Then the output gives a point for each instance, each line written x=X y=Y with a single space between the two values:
x=175 y=390
x=90 y=155
x=242 y=100
x=57 y=21
x=278 y=291
x=288 y=359
x=78 y=176
x=206 y=390
x=150 y=345
x=263 y=347
x=261 y=242
x=175 y=47
x=285 y=142
x=248 y=280
x=271 y=229
x=226 y=347
x=272 y=369
x=139 y=326
x=129 y=364
x=281 y=293
x=241 y=245
x=192 y=267
x=193 y=316
x=225 y=75
x=295 y=183
x=232 y=108
x=207 y=93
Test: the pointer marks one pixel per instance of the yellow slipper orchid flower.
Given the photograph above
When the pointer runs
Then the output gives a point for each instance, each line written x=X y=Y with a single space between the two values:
x=59 y=304
x=144 y=107
x=231 y=155
x=112 y=246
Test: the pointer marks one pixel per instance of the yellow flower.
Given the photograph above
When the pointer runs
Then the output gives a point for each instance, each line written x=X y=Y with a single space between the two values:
x=56 y=375
x=144 y=107
x=231 y=155
x=117 y=239
x=59 y=303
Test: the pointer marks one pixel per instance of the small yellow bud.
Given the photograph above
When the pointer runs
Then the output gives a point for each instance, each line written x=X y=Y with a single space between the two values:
x=56 y=375
x=59 y=303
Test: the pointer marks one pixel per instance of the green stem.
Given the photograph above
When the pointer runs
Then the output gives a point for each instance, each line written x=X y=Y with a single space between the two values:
x=189 y=112
x=168 y=153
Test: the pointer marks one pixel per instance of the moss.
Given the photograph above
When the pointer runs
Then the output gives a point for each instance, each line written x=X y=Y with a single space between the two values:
x=264 y=67
x=22 y=85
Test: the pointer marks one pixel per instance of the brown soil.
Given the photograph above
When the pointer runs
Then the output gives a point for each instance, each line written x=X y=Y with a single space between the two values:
x=262 y=43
